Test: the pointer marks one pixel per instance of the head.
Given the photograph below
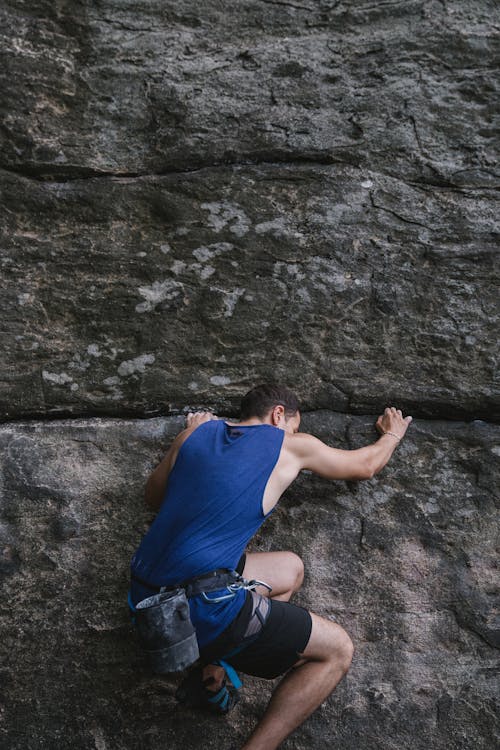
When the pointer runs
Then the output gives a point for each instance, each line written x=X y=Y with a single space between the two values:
x=274 y=404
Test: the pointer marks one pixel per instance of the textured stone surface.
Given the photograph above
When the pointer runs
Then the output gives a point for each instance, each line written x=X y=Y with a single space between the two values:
x=147 y=294
x=361 y=269
x=406 y=88
x=200 y=196
x=405 y=562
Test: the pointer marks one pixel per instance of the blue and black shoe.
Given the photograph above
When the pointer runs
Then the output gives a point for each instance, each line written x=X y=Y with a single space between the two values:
x=194 y=692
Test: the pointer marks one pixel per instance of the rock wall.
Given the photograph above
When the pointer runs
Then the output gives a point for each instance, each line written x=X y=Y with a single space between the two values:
x=197 y=197
x=406 y=562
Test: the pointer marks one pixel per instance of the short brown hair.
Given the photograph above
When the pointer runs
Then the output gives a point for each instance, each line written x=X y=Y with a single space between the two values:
x=262 y=398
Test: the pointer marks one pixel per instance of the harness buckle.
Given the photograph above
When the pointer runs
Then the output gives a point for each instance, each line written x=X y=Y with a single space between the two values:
x=253 y=583
x=233 y=588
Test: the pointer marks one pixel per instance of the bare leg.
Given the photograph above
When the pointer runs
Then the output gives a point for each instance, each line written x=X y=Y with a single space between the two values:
x=284 y=571
x=327 y=658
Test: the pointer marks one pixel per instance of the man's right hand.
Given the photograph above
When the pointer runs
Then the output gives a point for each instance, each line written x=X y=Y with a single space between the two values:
x=194 y=419
x=392 y=420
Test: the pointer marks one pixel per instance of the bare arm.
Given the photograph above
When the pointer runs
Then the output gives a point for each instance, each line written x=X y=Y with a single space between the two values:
x=361 y=463
x=157 y=482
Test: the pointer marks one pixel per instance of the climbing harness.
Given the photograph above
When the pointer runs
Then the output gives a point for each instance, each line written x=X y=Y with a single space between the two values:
x=260 y=610
x=233 y=588
x=163 y=620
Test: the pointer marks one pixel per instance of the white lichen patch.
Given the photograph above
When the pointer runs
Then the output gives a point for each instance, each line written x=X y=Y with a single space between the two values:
x=202 y=254
x=178 y=266
x=112 y=351
x=303 y=294
x=292 y=269
x=220 y=380
x=139 y=364
x=165 y=248
x=203 y=269
x=337 y=281
x=205 y=253
x=99 y=741
x=113 y=380
x=367 y=184
x=25 y=299
x=59 y=378
x=193 y=386
x=79 y=363
x=231 y=299
x=206 y=272
x=112 y=383
x=430 y=507
x=105 y=349
x=159 y=291
x=326 y=277
x=223 y=213
x=277 y=227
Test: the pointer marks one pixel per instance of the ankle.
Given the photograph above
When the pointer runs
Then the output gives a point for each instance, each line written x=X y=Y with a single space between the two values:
x=213 y=677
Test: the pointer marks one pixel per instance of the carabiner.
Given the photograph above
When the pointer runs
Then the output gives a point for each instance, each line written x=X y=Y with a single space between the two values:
x=253 y=583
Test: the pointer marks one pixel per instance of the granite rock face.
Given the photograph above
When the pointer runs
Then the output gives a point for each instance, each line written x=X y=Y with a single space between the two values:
x=318 y=203
x=405 y=562
x=145 y=295
x=197 y=197
x=406 y=88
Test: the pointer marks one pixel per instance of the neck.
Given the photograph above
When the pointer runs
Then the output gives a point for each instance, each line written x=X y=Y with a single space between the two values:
x=251 y=421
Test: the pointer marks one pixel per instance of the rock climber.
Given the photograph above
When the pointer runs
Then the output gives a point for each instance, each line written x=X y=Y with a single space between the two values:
x=216 y=485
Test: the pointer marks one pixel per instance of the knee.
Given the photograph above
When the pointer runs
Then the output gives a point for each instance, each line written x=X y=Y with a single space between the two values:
x=296 y=568
x=341 y=648
x=344 y=651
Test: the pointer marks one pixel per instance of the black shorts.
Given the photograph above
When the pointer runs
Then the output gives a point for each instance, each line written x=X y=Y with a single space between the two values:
x=276 y=648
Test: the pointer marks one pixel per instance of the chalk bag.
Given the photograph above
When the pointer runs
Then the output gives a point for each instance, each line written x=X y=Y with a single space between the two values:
x=166 y=632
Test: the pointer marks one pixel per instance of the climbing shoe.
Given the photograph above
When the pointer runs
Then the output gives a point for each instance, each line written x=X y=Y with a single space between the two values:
x=193 y=692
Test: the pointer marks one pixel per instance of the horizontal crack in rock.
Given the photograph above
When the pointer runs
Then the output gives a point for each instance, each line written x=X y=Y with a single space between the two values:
x=142 y=415
x=59 y=174
x=65 y=174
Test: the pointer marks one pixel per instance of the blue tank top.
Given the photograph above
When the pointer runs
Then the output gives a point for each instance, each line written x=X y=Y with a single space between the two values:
x=211 y=509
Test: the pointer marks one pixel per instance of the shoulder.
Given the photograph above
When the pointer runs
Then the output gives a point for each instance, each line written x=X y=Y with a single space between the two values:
x=301 y=445
x=301 y=441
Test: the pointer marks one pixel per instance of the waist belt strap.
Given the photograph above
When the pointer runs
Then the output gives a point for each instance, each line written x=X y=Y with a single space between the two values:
x=214 y=581
x=217 y=579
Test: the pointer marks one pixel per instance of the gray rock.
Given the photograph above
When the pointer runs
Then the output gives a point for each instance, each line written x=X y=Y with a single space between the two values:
x=361 y=270
x=137 y=296
x=200 y=196
x=407 y=89
x=405 y=562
